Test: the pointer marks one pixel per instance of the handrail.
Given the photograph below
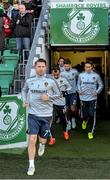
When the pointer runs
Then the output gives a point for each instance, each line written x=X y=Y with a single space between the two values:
x=32 y=53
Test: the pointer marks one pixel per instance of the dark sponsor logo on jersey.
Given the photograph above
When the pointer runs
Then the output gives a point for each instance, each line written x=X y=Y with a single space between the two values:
x=93 y=78
x=37 y=91
x=46 y=84
x=88 y=83
x=61 y=81
x=71 y=79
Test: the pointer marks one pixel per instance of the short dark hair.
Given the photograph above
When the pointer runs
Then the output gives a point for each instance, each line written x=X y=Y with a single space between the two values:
x=15 y=2
x=67 y=61
x=88 y=62
x=61 y=58
x=56 y=68
x=41 y=60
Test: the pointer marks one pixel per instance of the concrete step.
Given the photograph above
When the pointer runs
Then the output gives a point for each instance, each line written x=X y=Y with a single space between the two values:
x=44 y=24
x=38 y=50
x=33 y=72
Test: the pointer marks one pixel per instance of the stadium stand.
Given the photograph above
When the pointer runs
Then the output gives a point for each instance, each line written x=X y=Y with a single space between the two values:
x=39 y=46
x=12 y=67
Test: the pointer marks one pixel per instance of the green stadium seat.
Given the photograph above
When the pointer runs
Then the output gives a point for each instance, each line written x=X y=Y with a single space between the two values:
x=11 y=53
x=6 y=68
x=6 y=72
x=12 y=62
x=5 y=85
x=12 y=43
x=10 y=57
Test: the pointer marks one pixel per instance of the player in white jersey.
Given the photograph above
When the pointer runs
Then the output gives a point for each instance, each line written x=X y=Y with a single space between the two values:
x=38 y=94
x=61 y=64
x=71 y=99
x=89 y=86
x=59 y=104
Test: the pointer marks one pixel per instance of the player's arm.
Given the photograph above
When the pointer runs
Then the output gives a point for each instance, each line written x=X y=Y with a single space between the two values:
x=56 y=91
x=79 y=86
x=77 y=75
x=100 y=85
x=67 y=87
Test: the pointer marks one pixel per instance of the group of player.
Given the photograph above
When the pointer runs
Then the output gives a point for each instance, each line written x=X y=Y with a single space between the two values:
x=48 y=95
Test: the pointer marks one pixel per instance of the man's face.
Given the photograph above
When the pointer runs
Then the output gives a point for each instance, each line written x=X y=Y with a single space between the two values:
x=40 y=68
x=22 y=9
x=88 y=67
x=67 y=67
x=56 y=74
x=16 y=6
x=61 y=62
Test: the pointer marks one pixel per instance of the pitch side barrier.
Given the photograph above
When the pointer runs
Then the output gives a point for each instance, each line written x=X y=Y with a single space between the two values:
x=12 y=122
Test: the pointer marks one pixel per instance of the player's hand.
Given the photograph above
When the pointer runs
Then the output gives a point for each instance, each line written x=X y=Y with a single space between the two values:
x=24 y=105
x=45 y=97
x=81 y=93
x=6 y=26
x=94 y=94
x=18 y=21
x=64 y=93
x=108 y=92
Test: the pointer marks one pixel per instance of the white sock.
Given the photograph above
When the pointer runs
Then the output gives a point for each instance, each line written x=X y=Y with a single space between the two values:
x=31 y=163
x=41 y=144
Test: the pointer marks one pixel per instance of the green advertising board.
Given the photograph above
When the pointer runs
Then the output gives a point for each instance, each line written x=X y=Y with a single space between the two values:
x=78 y=23
x=12 y=122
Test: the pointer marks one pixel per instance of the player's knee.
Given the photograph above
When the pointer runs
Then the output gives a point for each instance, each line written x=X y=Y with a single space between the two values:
x=32 y=140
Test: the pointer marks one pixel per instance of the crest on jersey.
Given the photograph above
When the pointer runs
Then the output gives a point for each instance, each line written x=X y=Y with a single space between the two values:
x=61 y=81
x=46 y=84
x=81 y=27
x=38 y=86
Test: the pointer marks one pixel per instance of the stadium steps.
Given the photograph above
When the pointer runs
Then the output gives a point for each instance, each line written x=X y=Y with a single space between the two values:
x=39 y=48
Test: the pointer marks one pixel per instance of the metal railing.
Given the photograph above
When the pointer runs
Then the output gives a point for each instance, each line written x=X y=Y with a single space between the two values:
x=33 y=28
x=35 y=40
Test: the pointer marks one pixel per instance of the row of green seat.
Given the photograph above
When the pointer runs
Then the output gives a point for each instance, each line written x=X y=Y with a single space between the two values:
x=10 y=57
x=7 y=69
x=6 y=77
x=10 y=43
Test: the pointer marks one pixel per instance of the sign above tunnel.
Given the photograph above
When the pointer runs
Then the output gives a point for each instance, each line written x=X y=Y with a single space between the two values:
x=78 y=23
